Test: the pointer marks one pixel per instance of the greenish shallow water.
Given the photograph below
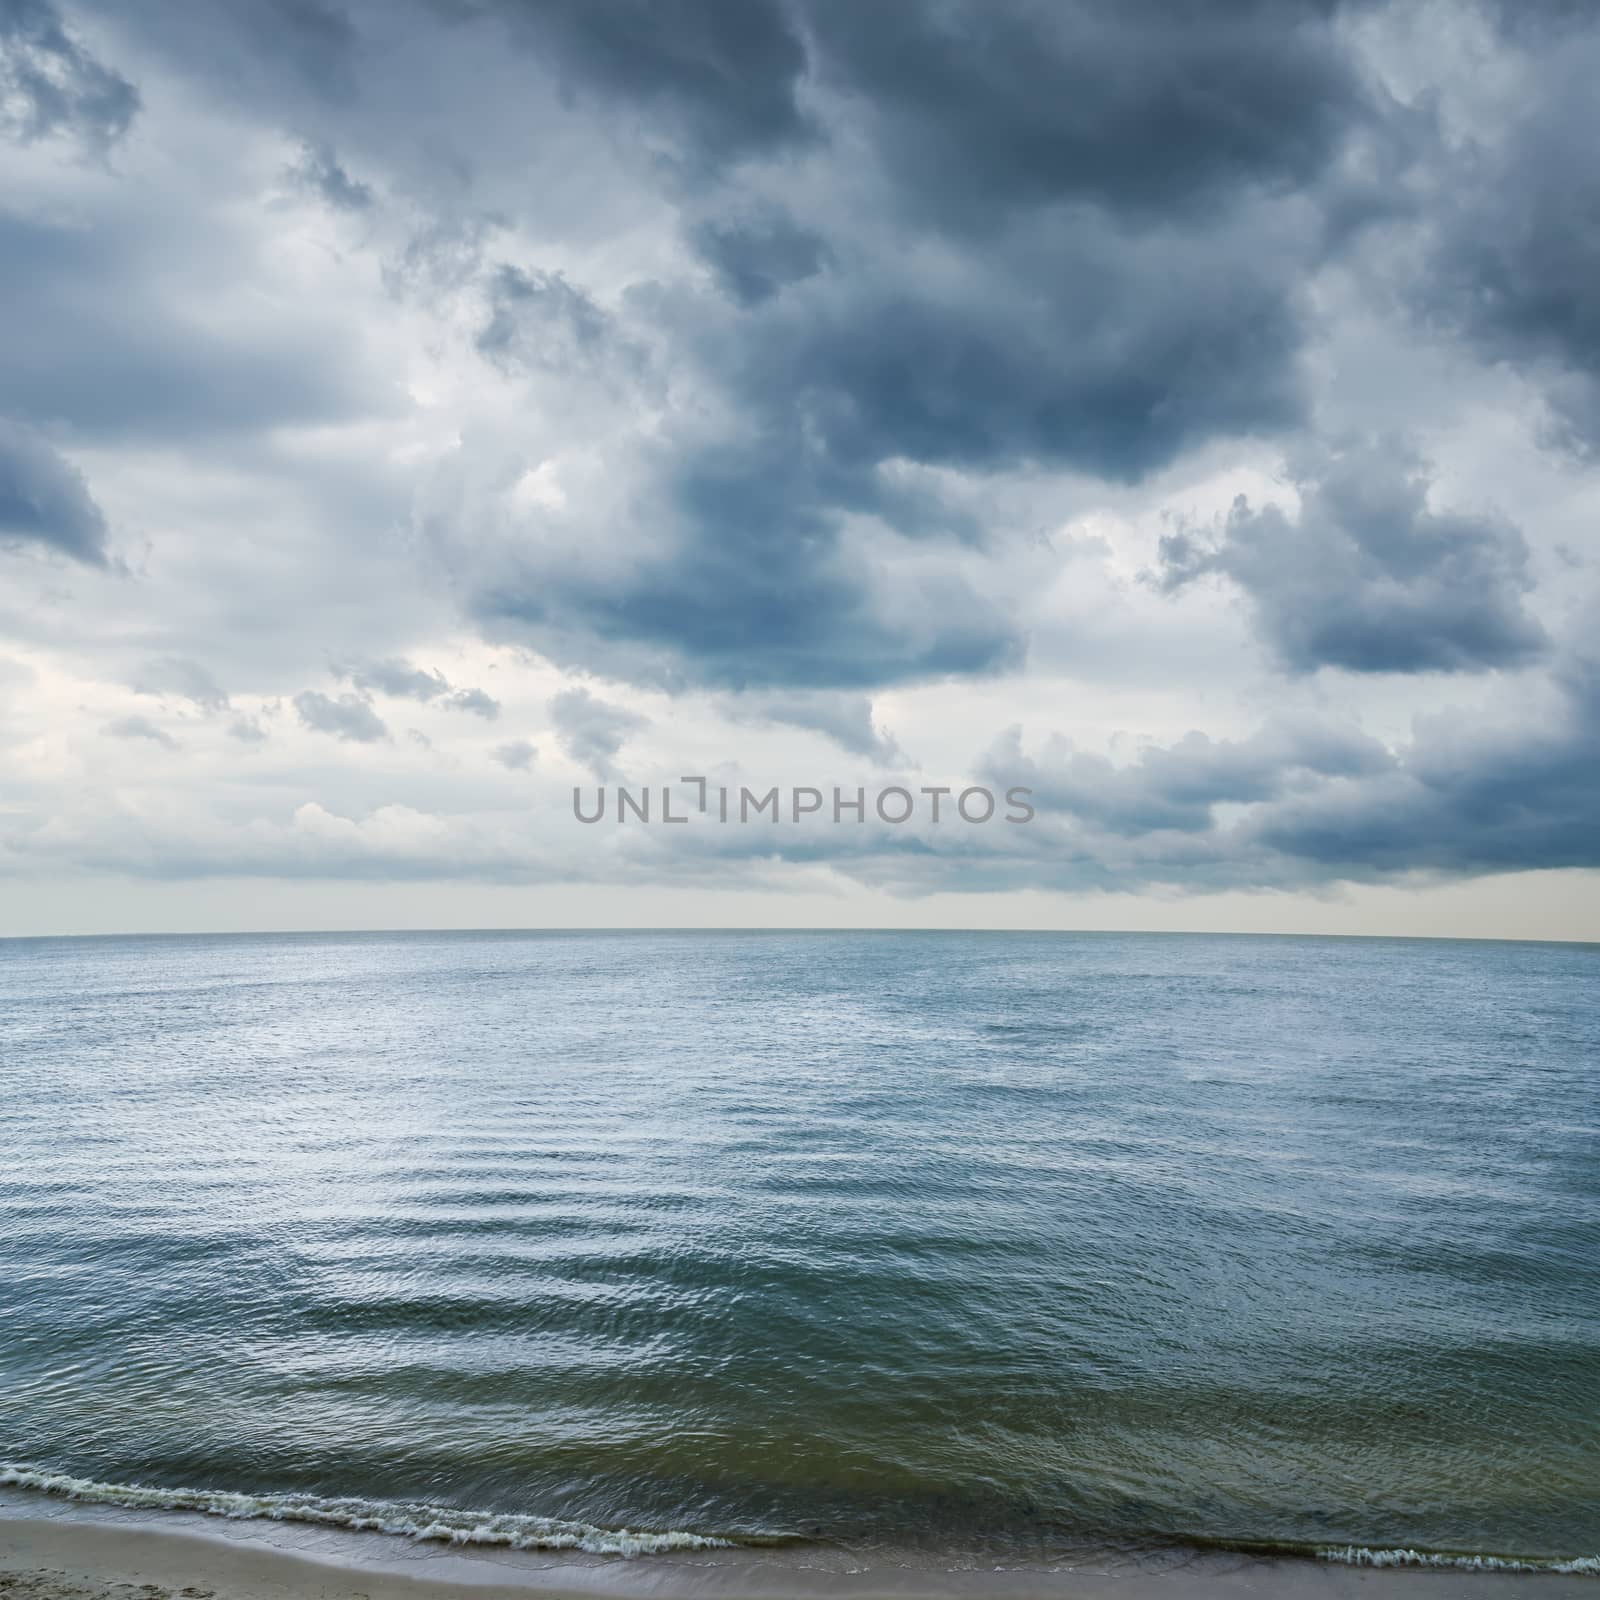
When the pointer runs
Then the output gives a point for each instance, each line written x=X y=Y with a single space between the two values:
x=991 y=1242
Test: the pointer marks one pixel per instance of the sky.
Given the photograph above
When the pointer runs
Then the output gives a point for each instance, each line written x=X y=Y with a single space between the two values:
x=413 y=412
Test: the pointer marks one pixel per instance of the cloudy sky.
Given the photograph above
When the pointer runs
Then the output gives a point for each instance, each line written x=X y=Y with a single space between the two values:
x=411 y=410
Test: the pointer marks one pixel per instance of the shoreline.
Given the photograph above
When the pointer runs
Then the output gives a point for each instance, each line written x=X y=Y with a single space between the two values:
x=413 y=1523
x=67 y=1550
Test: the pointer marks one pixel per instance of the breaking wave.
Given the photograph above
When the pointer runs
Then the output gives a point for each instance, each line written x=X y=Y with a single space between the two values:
x=1360 y=1555
x=407 y=1519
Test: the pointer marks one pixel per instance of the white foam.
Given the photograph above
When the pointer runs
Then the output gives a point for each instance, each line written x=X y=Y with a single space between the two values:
x=1356 y=1555
x=409 y=1520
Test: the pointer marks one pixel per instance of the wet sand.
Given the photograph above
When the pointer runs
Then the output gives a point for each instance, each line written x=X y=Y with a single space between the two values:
x=73 y=1552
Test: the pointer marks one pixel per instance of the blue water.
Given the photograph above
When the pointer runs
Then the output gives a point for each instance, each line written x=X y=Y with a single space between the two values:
x=986 y=1241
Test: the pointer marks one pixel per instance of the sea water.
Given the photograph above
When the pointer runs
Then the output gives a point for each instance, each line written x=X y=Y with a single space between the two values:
x=988 y=1243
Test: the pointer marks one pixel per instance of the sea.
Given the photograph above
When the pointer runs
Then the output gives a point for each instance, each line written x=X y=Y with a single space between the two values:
x=991 y=1246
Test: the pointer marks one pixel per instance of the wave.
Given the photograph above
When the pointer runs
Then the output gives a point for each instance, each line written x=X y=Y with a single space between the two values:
x=511 y=1530
x=407 y=1519
x=1361 y=1555
x=1358 y=1555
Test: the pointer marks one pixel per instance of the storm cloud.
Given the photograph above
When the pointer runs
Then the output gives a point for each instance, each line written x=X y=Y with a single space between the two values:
x=1467 y=796
x=1367 y=577
x=401 y=680
x=1513 y=246
x=348 y=716
x=49 y=83
x=1189 y=413
x=973 y=278
x=44 y=499
x=593 y=731
x=319 y=170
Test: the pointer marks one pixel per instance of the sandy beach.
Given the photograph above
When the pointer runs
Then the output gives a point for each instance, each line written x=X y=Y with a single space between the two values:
x=73 y=1552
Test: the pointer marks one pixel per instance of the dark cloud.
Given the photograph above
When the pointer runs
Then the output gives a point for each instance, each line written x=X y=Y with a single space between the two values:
x=539 y=319
x=847 y=719
x=754 y=258
x=1366 y=577
x=476 y=701
x=319 y=171
x=1469 y=795
x=593 y=731
x=1076 y=349
x=99 y=336
x=1151 y=107
x=184 y=679
x=140 y=728
x=320 y=41
x=290 y=55
x=349 y=717
x=1302 y=803
x=718 y=79
x=747 y=585
x=395 y=677
x=973 y=105
x=1076 y=346
x=401 y=680
x=515 y=755
x=1177 y=787
x=1472 y=792
x=44 y=499
x=961 y=236
x=1127 y=300
x=1516 y=233
x=796 y=300
x=50 y=84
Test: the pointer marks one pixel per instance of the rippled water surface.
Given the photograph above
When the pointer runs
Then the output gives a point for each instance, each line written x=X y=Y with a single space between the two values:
x=996 y=1240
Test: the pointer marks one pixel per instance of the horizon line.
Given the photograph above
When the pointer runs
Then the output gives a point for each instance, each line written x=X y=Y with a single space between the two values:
x=726 y=929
